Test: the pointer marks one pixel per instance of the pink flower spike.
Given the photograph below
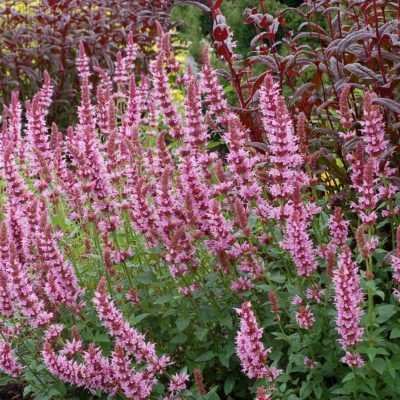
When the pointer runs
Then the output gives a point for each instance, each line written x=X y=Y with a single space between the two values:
x=305 y=318
x=177 y=382
x=249 y=348
x=8 y=361
x=353 y=360
x=348 y=299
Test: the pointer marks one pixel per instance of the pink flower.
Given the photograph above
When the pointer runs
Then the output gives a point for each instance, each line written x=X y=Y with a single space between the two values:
x=395 y=258
x=241 y=284
x=262 y=394
x=272 y=297
x=249 y=348
x=53 y=332
x=338 y=227
x=305 y=318
x=177 y=382
x=297 y=300
x=348 y=299
x=373 y=126
x=220 y=228
x=62 y=285
x=22 y=288
x=127 y=338
x=296 y=240
x=346 y=118
x=308 y=362
x=181 y=256
x=367 y=197
x=8 y=361
x=213 y=91
x=353 y=360
x=135 y=385
x=315 y=294
x=162 y=92
x=196 y=135
x=283 y=143
x=241 y=163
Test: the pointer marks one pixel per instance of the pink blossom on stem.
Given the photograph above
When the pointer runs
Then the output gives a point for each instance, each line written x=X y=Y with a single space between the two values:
x=353 y=360
x=296 y=240
x=6 y=303
x=241 y=164
x=181 y=254
x=315 y=294
x=348 y=299
x=164 y=98
x=196 y=132
x=193 y=184
x=249 y=348
x=373 y=127
x=395 y=258
x=128 y=338
x=14 y=113
x=242 y=284
x=214 y=95
x=37 y=134
x=305 y=318
x=69 y=371
x=346 y=118
x=309 y=363
x=61 y=286
x=283 y=148
x=297 y=300
x=8 y=361
x=135 y=385
x=368 y=199
x=220 y=229
x=177 y=382
x=21 y=286
x=262 y=394
x=357 y=164
x=338 y=227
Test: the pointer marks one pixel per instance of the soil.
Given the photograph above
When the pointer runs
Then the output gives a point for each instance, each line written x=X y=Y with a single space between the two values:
x=13 y=392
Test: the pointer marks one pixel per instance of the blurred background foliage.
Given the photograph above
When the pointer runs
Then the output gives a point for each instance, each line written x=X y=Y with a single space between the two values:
x=195 y=26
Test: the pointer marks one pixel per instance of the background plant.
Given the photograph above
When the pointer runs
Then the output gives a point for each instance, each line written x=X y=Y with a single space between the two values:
x=236 y=259
x=42 y=35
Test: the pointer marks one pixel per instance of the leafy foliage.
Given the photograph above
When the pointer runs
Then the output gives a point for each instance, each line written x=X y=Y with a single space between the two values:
x=43 y=36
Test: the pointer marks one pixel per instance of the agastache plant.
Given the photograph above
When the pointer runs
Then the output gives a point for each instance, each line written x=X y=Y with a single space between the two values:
x=138 y=245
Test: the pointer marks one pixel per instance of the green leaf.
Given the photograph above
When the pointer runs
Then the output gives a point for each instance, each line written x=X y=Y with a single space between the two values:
x=227 y=321
x=205 y=357
x=201 y=333
x=135 y=319
x=395 y=333
x=179 y=339
x=163 y=299
x=305 y=390
x=318 y=392
x=372 y=352
x=385 y=312
x=228 y=385
x=182 y=323
x=379 y=365
x=348 y=377
x=391 y=369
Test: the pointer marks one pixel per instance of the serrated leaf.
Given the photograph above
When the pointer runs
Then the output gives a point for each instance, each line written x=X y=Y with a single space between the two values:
x=163 y=299
x=229 y=385
x=379 y=365
x=395 y=333
x=207 y=356
x=384 y=312
x=182 y=323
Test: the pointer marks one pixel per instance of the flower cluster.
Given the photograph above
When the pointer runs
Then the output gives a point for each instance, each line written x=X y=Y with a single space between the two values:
x=348 y=299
